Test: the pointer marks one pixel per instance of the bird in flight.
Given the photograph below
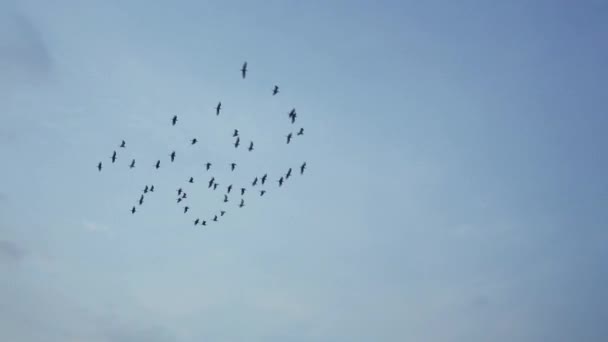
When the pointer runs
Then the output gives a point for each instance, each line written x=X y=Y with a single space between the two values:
x=211 y=182
x=157 y=164
x=133 y=210
x=184 y=195
x=262 y=192
x=232 y=166
x=204 y=223
x=280 y=181
x=193 y=141
x=152 y=188
x=146 y=190
x=179 y=200
x=218 y=108
x=191 y=180
x=236 y=133
x=172 y=156
x=179 y=191
x=251 y=146
x=141 y=200
x=196 y=221
x=288 y=174
x=301 y=131
x=225 y=198
x=244 y=70
x=229 y=188
x=237 y=142
x=123 y=144
x=289 y=137
x=99 y=166
x=113 y=157
x=264 y=178
x=132 y=164
x=302 y=168
x=215 y=185
x=208 y=166
x=215 y=218
x=242 y=204
x=293 y=118
x=292 y=113
x=275 y=90
x=174 y=120
x=222 y=213
x=186 y=209
x=255 y=181
x=242 y=191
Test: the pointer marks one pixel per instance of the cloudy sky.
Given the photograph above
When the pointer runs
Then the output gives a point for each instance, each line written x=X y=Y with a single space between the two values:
x=455 y=191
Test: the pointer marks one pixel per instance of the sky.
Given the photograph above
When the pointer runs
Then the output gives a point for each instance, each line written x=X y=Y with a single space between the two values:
x=455 y=189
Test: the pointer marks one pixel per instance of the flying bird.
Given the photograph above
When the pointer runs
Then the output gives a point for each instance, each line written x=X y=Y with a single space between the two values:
x=211 y=182
x=275 y=90
x=215 y=218
x=184 y=195
x=132 y=164
x=236 y=133
x=229 y=188
x=186 y=209
x=293 y=118
x=301 y=131
x=264 y=178
x=262 y=192
x=123 y=144
x=146 y=190
x=179 y=191
x=179 y=200
x=157 y=164
x=172 y=156
x=222 y=213
x=244 y=70
x=133 y=210
x=141 y=200
x=302 y=168
x=292 y=113
x=255 y=181
x=174 y=120
x=152 y=188
x=280 y=181
x=242 y=191
x=99 y=166
x=208 y=165
x=251 y=146
x=289 y=137
x=191 y=180
x=113 y=157
x=196 y=221
x=242 y=204
x=232 y=166
x=218 y=108
x=237 y=142
x=288 y=174
x=225 y=198
x=204 y=223
x=215 y=186
x=193 y=141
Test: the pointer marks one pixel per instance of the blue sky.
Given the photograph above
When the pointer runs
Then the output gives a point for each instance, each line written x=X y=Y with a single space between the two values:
x=455 y=188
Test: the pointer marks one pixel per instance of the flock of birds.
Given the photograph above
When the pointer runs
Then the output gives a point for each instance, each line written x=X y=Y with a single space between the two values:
x=212 y=184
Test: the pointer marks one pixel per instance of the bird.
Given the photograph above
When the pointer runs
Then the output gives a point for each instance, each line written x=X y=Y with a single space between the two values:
x=229 y=188
x=251 y=146
x=242 y=204
x=186 y=209
x=211 y=182
x=152 y=188
x=208 y=166
x=133 y=210
x=172 y=156
x=280 y=181
x=275 y=90
x=179 y=200
x=141 y=200
x=293 y=118
x=302 y=168
x=292 y=112
x=157 y=164
x=204 y=223
x=264 y=178
x=236 y=133
x=288 y=174
x=184 y=195
x=179 y=191
x=215 y=186
x=242 y=191
x=289 y=137
x=244 y=70
x=196 y=221
x=262 y=192
x=225 y=198
x=191 y=180
x=237 y=142
x=218 y=108
x=222 y=213
x=174 y=120
x=123 y=144
x=113 y=157
x=99 y=166
x=193 y=141
x=215 y=218
x=146 y=190
x=301 y=131
x=255 y=181
x=232 y=166
x=132 y=164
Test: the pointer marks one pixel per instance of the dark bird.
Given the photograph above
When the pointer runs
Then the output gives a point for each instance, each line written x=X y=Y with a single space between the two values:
x=288 y=174
x=301 y=131
x=184 y=195
x=215 y=218
x=196 y=221
x=186 y=209
x=218 y=108
x=222 y=213
x=99 y=166
x=242 y=191
x=179 y=200
x=244 y=70
x=292 y=113
x=275 y=90
x=113 y=157
x=289 y=137
x=215 y=186
x=229 y=188
x=193 y=141
x=293 y=118
x=132 y=164
x=211 y=182
x=152 y=188
x=236 y=133
x=146 y=190
x=280 y=181
x=242 y=204
x=204 y=223
x=237 y=142
x=179 y=191
x=232 y=166
x=141 y=200
x=302 y=168
x=157 y=164
x=251 y=146
x=208 y=165
x=264 y=178
x=191 y=180
x=133 y=210
x=172 y=156
x=262 y=192
x=123 y=144
x=174 y=120
x=225 y=198
x=255 y=182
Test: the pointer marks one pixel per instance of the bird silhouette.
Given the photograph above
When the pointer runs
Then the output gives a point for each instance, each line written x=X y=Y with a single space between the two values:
x=191 y=180
x=215 y=185
x=264 y=178
x=218 y=108
x=242 y=204
x=222 y=213
x=229 y=188
x=302 y=168
x=179 y=191
x=157 y=164
x=293 y=118
x=242 y=191
x=152 y=188
x=280 y=181
x=172 y=156
x=275 y=90
x=292 y=113
x=289 y=137
x=179 y=200
x=174 y=120
x=186 y=209
x=237 y=142
x=232 y=166
x=288 y=174
x=141 y=200
x=133 y=210
x=132 y=164
x=236 y=133
x=193 y=141
x=211 y=182
x=244 y=70
x=301 y=131
x=184 y=195
x=215 y=218
x=123 y=144
x=225 y=198
x=208 y=165
x=99 y=166
x=113 y=157
x=146 y=189
x=262 y=192
x=251 y=146
x=204 y=223
x=255 y=181
x=196 y=221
